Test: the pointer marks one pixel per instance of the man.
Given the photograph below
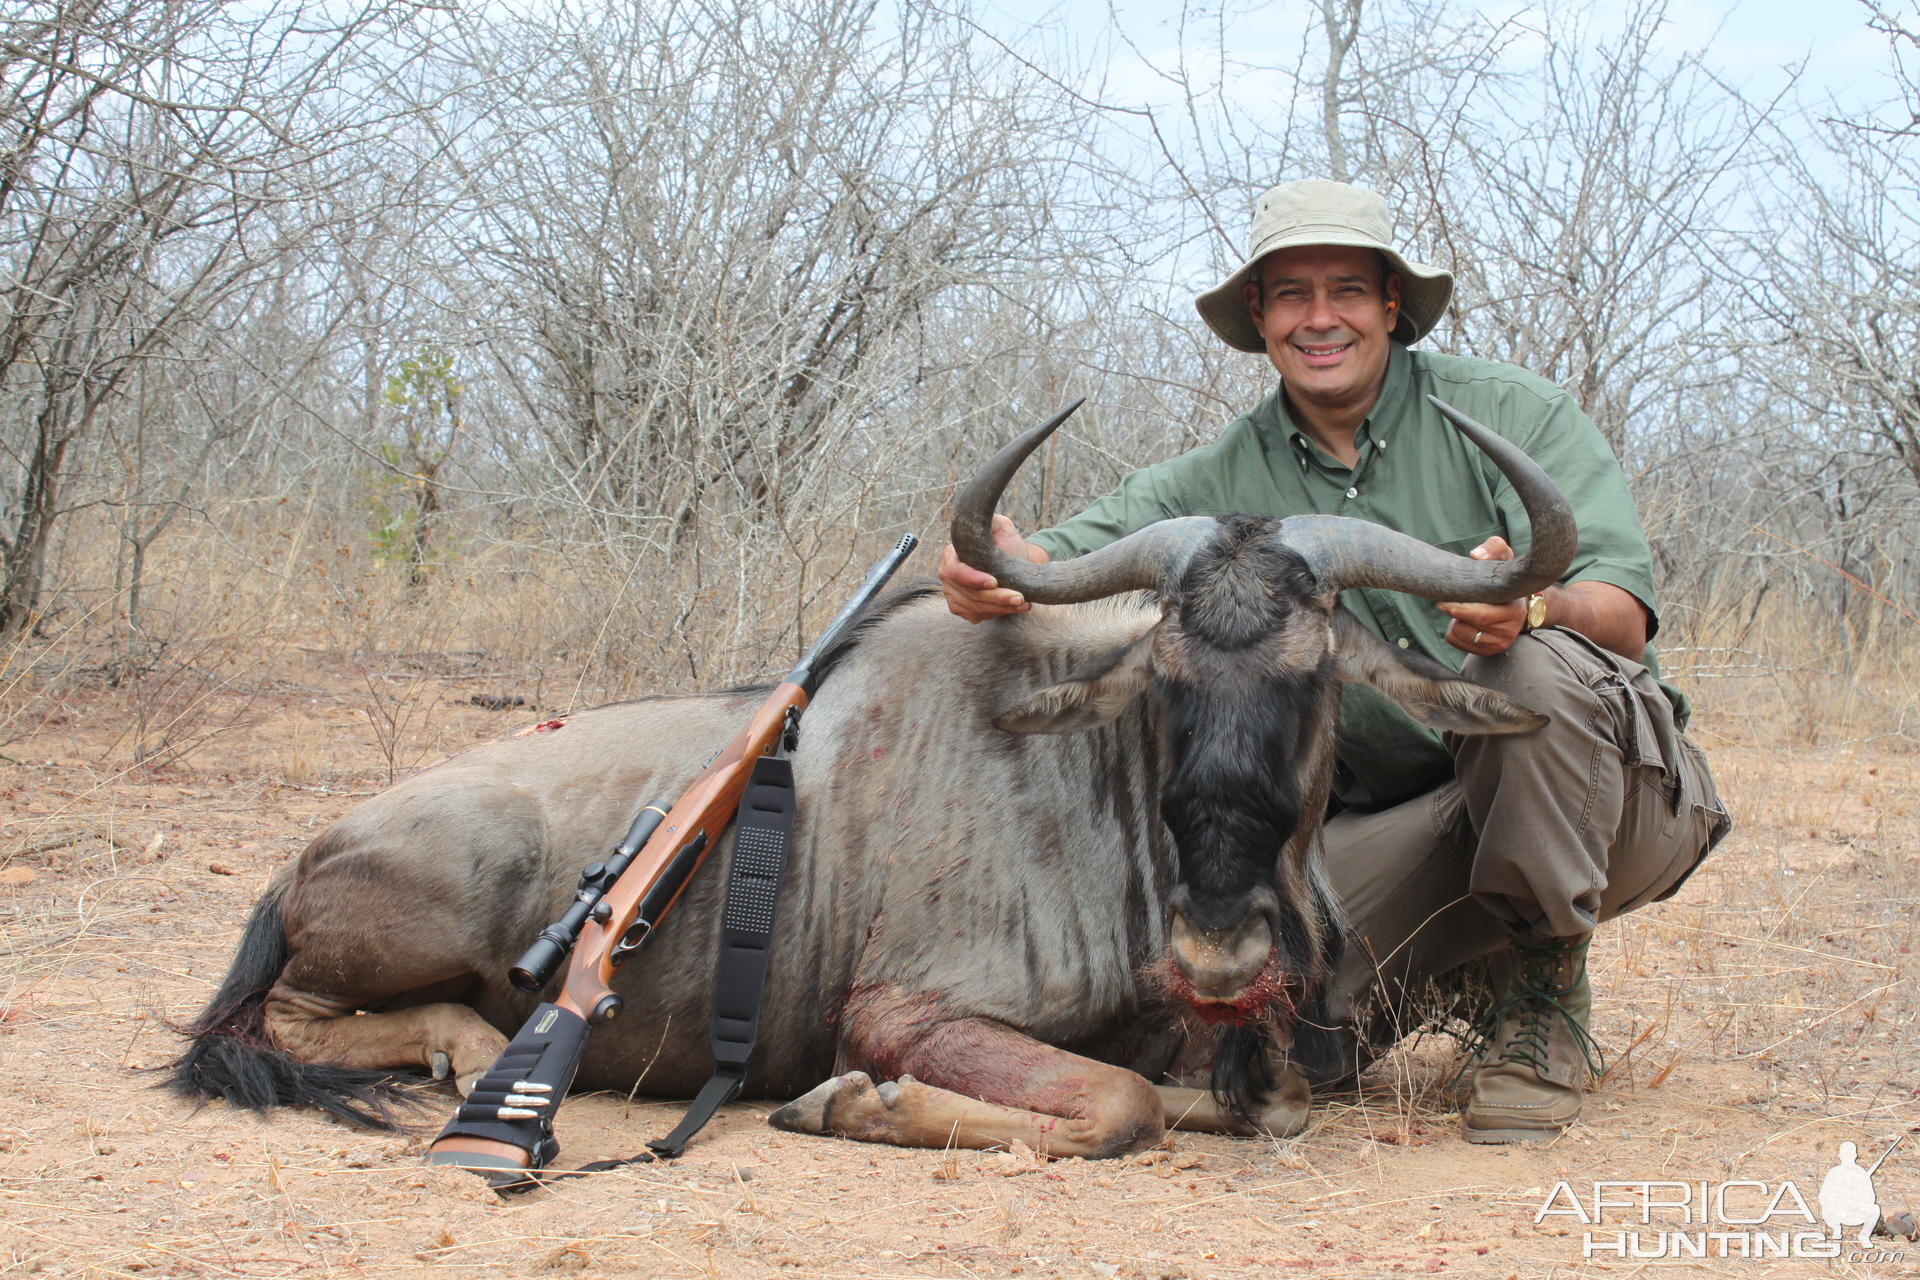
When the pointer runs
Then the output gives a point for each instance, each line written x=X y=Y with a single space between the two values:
x=1444 y=849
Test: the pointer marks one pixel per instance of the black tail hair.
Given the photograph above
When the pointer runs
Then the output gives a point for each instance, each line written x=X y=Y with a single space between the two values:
x=1320 y=1049
x=232 y=1058
x=1239 y=1078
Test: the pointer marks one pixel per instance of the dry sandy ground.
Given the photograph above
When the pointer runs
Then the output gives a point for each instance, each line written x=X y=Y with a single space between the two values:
x=1757 y=1021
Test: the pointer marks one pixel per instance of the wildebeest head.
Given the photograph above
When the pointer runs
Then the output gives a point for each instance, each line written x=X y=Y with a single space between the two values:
x=1246 y=661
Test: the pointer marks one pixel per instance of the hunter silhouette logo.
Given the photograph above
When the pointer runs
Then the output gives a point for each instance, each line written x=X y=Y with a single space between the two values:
x=1846 y=1193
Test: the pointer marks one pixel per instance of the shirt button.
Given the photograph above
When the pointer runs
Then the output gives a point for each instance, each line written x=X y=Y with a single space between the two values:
x=1402 y=642
x=1353 y=493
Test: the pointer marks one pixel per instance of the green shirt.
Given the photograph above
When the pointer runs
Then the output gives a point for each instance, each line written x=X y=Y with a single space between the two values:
x=1415 y=474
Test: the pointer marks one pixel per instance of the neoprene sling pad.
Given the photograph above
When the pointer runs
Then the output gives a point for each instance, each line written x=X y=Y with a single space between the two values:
x=761 y=835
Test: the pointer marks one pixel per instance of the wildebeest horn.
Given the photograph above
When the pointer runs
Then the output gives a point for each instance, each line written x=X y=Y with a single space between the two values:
x=1344 y=552
x=1142 y=560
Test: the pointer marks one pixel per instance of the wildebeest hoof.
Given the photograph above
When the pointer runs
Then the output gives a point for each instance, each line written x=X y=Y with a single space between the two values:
x=1283 y=1121
x=1284 y=1111
x=811 y=1112
x=442 y=1065
x=468 y=1083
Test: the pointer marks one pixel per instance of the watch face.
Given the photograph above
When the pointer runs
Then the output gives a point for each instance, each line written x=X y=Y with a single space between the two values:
x=1536 y=611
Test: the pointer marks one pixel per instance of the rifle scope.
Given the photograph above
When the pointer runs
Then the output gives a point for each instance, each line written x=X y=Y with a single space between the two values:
x=543 y=958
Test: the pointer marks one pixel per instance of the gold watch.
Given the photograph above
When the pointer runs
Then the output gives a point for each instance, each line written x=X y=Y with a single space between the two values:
x=1536 y=612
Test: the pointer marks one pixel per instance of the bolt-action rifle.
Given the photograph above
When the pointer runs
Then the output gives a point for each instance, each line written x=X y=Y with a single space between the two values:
x=504 y=1128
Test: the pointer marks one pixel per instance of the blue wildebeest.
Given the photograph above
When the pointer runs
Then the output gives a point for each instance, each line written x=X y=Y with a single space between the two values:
x=1022 y=848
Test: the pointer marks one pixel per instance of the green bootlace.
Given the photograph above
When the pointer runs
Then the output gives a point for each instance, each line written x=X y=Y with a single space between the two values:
x=1535 y=998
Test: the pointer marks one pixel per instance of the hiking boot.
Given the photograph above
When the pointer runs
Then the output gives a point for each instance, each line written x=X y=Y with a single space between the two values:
x=1535 y=1051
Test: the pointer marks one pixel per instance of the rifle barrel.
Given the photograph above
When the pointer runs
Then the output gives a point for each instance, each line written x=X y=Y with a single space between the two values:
x=876 y=578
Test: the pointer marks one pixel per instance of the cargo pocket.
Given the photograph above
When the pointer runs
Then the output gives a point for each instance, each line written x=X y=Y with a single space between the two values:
x=1674 y=829
x=1650 y=851
x=1707 y=810
x=1642 y=728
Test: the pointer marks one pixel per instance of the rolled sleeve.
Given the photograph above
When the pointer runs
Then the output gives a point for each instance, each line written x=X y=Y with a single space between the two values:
x=1137 y=503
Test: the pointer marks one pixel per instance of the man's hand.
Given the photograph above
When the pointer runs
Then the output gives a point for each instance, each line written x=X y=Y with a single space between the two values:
x=1486 y=629
x=974 y=595
x=1605 y=614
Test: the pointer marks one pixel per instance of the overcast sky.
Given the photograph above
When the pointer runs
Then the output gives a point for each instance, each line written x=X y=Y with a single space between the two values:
x=1751 y=42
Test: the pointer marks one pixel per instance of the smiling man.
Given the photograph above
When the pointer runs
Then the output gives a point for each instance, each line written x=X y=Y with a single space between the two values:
x=1445 y=849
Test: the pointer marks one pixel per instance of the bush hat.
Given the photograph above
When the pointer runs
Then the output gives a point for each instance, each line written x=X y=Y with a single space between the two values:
x=1319 y=212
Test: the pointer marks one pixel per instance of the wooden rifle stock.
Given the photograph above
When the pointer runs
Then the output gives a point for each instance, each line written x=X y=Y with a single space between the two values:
x=508 y=1131
x=702 y=813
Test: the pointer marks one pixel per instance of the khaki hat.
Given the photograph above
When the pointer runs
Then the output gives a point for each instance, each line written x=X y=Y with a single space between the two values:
x=1320 y=212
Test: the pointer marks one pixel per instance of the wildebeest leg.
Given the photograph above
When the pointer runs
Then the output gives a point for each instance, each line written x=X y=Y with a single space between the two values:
x=1282 y=1112
x=396 y=910
x=977 y=1083
x=446 y=1039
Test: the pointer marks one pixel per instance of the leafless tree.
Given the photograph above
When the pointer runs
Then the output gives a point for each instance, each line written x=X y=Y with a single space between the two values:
x=1833 y=297
x=725 y=293
x=1591 y=228
x=147 y=146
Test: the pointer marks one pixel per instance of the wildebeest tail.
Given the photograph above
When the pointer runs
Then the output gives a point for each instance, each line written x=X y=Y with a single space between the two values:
x=232 y=1058
x=1318 y=1046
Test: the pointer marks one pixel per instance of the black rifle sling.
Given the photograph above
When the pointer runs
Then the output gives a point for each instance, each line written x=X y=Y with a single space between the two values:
x=761 y=834
x=762 y=831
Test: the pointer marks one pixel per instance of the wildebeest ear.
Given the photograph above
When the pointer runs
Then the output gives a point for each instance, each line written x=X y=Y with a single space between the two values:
x=1101 y=689
x=1432 y=694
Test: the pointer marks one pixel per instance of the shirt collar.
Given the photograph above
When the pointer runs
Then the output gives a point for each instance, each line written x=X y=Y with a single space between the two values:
x=1396 y=393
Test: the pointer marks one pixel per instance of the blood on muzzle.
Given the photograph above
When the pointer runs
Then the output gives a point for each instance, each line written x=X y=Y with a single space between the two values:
x=1220 y=963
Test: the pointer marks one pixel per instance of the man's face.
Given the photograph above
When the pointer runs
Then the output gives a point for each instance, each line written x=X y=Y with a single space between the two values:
x=1325 y=312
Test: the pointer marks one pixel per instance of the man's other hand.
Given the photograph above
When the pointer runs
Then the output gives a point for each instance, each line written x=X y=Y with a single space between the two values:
x=1486 y=629
x=974 y=595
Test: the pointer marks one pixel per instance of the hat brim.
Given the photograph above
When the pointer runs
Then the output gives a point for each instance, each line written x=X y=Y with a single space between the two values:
x=1424 y=290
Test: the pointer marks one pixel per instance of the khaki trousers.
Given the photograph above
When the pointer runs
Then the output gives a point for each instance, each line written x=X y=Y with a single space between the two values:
x=1607 y=808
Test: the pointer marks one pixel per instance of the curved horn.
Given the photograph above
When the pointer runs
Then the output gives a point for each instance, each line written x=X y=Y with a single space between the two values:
x=1344 y=552
x=1142 y=560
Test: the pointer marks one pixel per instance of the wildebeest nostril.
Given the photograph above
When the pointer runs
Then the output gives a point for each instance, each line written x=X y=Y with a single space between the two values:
x=1220 y=963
